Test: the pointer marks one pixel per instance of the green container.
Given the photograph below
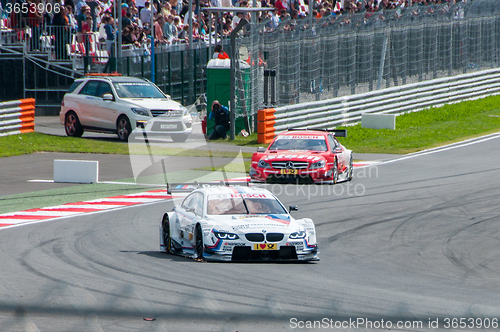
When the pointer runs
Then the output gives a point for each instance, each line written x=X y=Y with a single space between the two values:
x=219 y=88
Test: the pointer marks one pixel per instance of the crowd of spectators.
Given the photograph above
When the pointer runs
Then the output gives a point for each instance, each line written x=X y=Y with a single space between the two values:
x=170 y=18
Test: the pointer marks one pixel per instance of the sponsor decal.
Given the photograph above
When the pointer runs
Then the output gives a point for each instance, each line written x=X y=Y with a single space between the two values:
x=299 y=245
x=294 y=156
x=238 y=195
x=246 y=226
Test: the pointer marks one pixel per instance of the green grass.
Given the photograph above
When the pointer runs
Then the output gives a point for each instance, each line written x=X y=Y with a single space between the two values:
x=71 y=194
x=35 y=142
x=232 y=167
x=422 y=130
x=414 y=132
x=251 y=140
x=429 y=128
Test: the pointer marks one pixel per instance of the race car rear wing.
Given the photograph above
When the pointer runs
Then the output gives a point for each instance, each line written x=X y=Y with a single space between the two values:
x=190 y=186
x=336 y=132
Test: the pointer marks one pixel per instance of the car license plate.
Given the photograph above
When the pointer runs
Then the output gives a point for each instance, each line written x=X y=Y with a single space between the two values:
x=289 y=171
x=168 y=126
x=265 y=246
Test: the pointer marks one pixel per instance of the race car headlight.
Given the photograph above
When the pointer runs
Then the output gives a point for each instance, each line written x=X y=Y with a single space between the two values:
x=226 y=236
x=264 y=164
x=140 y=111
x=298 y=235
x=318 y=164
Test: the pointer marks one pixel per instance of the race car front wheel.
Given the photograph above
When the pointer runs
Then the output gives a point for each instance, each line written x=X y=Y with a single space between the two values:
x=199 y=242
x=166 y=232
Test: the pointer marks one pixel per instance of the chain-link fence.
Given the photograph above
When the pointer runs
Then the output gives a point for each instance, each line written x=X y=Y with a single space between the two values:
x=361 y=52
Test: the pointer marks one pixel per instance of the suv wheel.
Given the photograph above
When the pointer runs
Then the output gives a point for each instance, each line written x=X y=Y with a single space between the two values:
x=72 y=125
x=123 y=128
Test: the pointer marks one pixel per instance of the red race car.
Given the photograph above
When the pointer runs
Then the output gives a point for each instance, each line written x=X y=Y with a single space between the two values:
x=303 y=156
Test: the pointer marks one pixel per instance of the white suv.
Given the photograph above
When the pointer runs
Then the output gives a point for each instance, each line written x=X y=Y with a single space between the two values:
x=120 y=104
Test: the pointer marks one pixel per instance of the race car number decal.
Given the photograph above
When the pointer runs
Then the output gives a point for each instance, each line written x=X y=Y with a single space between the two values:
x=265 y=246
x=289 y=171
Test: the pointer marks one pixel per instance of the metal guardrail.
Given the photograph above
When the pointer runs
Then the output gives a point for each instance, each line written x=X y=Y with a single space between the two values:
x=347 y=110
x=17 y=116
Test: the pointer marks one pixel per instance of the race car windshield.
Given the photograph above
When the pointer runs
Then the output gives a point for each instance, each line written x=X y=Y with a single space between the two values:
x=309 y=144
x=137 y=90
x=238 y=205
x=264 y=206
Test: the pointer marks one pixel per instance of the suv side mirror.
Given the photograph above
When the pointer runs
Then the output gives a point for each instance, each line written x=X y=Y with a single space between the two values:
x=261 y=149
x=107 y=97
x=293 y=208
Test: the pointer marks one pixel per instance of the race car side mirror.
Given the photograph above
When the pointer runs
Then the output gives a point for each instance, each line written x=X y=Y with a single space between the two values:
x=293 y=208
x=261 y=149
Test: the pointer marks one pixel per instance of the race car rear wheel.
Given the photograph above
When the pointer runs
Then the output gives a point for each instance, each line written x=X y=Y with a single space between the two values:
x=335 y=172
x=199 y=242
x=350 y=170
x=166 y=232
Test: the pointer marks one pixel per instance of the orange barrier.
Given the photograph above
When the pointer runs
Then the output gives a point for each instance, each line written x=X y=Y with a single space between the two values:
x=17 y=117
x=265 y=125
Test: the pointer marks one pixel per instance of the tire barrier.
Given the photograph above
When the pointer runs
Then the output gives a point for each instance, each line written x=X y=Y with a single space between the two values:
x=397 y=100
x=265 y=125
x=17 y=117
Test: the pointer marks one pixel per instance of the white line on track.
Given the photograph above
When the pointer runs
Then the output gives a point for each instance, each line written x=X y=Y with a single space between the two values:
x=441 y=149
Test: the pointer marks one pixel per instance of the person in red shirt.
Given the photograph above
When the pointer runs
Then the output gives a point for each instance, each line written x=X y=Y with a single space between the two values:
x=279 y=6
x=87 y=35
x=219 y=53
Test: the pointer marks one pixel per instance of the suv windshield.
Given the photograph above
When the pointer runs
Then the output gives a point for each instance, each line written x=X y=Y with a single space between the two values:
x=137 y=90
x=311 y=143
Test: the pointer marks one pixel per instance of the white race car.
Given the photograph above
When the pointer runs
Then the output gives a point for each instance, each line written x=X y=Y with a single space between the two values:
x=232 y=223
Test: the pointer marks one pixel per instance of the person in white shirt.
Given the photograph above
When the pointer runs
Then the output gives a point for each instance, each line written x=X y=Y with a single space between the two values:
x=186 y=17
x=145 y=14
x=140 y=4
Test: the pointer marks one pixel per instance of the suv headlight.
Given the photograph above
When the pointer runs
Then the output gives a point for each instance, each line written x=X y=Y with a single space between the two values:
x=140 y=111
x=226 y=236
x=318 y=164
x=263 y=164
x=298 y=235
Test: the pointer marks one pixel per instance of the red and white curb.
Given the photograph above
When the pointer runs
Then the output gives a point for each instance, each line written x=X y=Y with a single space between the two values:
x=365 y=164
x=70 y=209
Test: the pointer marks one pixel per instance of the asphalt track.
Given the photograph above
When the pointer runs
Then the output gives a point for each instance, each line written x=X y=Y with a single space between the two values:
x=412 y=239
